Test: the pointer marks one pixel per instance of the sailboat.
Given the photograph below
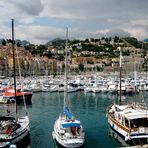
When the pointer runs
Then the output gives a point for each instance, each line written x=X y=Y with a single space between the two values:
x=129 y=121
x=12 y=128
x=67 y=130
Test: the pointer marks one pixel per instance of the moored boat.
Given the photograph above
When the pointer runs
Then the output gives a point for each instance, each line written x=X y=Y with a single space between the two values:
x=9 y=94
x=130 y=122
x=67 y=130
x=13 y=129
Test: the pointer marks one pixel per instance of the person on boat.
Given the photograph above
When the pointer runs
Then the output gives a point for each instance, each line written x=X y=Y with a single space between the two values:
x=9 y=130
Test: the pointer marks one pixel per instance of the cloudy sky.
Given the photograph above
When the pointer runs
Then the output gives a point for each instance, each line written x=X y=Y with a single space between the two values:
x=39 y=21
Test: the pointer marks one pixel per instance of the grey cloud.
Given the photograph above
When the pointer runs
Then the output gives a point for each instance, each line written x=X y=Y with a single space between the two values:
x=31 y=7
x=117 y=32
x=87 y=16
x=111 y=33
x=98 y=8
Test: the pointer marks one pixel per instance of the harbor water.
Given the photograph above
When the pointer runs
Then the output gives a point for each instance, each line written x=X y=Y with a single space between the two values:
x=89 y=108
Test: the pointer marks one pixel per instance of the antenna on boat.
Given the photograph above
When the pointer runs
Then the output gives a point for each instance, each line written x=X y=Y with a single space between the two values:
x=14 y=72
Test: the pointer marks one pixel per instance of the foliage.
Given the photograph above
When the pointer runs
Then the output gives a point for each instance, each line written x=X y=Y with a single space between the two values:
x=4 y=42
x=81 y=67
x=99 y=48
x=40 y=49
x=57 y=43
x=48 y=54
x=18 y=44
x=37 y=50
x=133 y=41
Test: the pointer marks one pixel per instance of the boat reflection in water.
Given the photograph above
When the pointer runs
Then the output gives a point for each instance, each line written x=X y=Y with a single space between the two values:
x=124 y=143
x=25 y=142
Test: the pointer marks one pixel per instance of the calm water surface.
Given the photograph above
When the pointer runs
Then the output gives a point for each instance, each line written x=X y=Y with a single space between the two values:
x=88 y=108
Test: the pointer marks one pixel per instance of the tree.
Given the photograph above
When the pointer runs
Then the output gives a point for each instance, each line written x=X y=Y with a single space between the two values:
x=116 y=39
x=106 y=39
x=97 y=40
x=74 y=48
x=87 y=40
x=81 y=67
x=92 y=39
x=18 y=44
x=48 y=54
x=41 y=49
x=4 y=42
x=110 y=39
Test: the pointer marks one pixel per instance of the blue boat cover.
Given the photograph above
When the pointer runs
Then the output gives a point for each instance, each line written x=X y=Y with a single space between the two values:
x=70 y=124
x=67 y=112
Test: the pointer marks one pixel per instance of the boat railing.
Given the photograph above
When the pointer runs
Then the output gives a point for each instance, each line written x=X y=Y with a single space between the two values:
x=108 y=108
x=141 y=106
x=134 y=129
x=71 y=136
x=5 y=136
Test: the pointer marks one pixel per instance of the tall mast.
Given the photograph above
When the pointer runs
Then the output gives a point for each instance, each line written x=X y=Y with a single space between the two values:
x=14 y=72
x=135 y=76
x=120 y=73
x=66 y=48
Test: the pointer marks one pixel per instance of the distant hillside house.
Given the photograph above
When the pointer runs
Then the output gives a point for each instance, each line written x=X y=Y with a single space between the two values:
x=103 y=41
x=52 y=49
x=60 y=51
x=132 y=49
x=78 y=45
x=83 y=60
x=108 y=69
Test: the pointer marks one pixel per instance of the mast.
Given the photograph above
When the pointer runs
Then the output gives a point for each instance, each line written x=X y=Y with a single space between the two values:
x=14 y=72
x=120 y=73
x=135 y=76
x=65 y=91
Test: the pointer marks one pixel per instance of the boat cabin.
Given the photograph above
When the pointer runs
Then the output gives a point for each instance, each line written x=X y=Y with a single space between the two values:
x=71 y=126
x=132 y=117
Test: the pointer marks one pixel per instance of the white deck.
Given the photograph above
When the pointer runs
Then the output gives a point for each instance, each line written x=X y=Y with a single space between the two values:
x=132 y=112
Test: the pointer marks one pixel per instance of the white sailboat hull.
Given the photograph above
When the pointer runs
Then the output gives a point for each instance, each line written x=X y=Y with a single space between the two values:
x=71 y=143
x=16 y=136
x=68 y=141
x=67 y=131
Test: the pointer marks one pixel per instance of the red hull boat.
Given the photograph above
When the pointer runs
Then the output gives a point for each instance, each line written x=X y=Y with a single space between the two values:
x=9 y=94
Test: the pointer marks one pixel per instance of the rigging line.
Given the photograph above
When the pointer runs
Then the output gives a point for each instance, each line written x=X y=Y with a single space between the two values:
x=21 y=81
x=20 y=77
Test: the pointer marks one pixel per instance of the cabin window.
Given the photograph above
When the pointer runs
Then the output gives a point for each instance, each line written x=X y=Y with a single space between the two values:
x=117 y=109
x=135 y=123
x=126 y=123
